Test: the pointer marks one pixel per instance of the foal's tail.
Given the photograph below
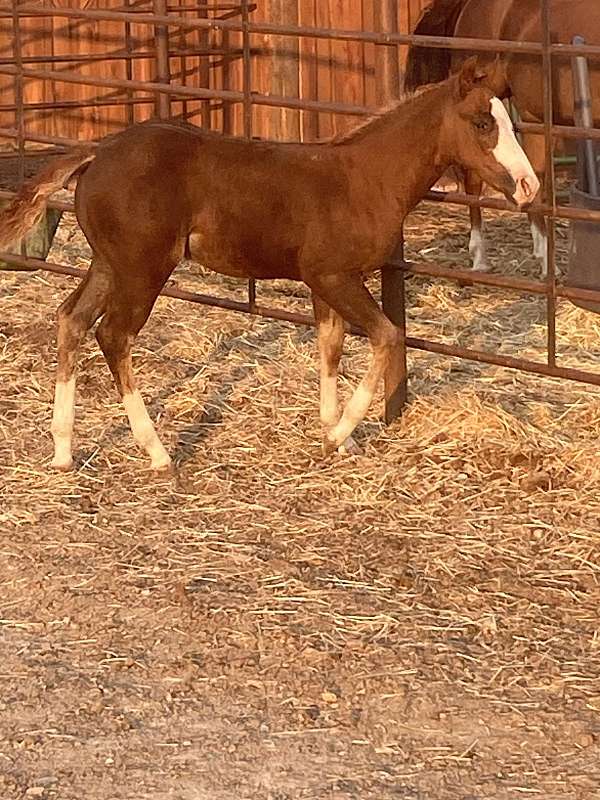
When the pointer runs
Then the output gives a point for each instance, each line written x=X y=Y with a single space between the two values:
x=27 y=207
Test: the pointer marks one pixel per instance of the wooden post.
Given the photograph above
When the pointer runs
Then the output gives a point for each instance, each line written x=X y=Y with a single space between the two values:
x=163 y=74
x=285 y=76
x=387 y=72
x=392 y=278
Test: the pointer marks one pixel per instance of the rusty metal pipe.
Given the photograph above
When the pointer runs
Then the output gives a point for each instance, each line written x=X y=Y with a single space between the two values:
x=510 y=362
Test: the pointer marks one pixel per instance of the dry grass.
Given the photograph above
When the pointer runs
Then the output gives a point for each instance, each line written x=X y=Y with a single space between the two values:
x=418 y=622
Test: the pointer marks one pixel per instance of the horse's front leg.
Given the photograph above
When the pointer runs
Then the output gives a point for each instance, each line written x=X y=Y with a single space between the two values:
x=330 y=338
x=346 y=294
x=535 y=148
x=539 y=234
x=477 y=244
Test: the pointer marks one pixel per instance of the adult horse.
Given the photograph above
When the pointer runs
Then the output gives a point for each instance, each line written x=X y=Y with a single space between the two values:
x=515 y=75
x=322 y=213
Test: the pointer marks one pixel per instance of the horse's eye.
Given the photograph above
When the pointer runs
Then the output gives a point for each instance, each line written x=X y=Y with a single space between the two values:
x=483 y=124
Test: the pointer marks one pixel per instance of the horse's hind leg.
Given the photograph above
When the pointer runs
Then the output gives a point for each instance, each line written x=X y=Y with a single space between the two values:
x=330 y=338
x=128 y=309
x=75 y=317
x=347 y=295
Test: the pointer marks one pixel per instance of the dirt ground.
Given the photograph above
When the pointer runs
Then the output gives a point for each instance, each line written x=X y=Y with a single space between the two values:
x=420 y=622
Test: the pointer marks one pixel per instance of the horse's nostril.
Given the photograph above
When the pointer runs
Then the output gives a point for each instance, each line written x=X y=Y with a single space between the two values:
x=526 y=187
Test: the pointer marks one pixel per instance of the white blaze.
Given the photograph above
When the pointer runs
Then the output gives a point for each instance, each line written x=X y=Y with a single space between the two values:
x=509 y=153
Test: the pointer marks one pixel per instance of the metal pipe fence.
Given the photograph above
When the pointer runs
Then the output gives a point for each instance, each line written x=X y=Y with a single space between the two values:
x=236 y=18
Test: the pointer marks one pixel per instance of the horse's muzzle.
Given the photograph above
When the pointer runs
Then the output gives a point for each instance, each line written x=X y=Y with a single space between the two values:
x=527 y=188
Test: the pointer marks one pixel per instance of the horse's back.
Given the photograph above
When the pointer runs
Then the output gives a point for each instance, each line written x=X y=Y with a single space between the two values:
x=245 y=207
x=482 y=19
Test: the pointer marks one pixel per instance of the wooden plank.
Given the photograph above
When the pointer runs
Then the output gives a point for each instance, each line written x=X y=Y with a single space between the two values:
x=317 y=69
x=309 y=71
x=285 y=71
x=323 y=19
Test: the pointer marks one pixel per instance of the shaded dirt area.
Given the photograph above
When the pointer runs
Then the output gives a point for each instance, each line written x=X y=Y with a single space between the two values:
x=420 y=622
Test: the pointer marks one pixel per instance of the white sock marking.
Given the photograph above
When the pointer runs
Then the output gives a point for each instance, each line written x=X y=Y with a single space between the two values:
x=63 y=417
x=478 y=250
x=354 y=412
x=143 y=430
x=329 y=404
x=540 y=243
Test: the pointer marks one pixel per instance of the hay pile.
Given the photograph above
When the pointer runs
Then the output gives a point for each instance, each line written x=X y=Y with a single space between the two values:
x=421 y=621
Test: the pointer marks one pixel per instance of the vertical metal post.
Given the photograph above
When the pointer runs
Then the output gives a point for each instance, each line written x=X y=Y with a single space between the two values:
x=161 y=43
x=19 y=110
x=204 y=39
x=588 y=180
x=247 y=70
x=182 y=37
x=227 y=124
x=549 y=180
x=392 y=278
x=247 y=110
x=129 y=67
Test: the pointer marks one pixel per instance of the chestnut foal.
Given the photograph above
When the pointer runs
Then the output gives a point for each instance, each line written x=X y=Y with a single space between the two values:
x=323 y=213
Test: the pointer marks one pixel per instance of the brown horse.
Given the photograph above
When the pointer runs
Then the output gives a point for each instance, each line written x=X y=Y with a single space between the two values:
x=322 y=213
x=518 y=76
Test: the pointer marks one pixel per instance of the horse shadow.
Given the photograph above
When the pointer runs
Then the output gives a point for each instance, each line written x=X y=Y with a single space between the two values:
x=216 y=400
x=257 y=343
x=483 y=334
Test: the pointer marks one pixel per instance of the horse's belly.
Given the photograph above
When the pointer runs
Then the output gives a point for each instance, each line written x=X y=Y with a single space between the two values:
x=243 y=259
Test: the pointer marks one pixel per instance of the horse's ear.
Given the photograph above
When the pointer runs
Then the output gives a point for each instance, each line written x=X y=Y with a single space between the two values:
x=471 y=74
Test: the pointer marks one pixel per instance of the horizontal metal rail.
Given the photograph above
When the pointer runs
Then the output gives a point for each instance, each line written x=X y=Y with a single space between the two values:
x=297 y=318
x=474 y=278
x=67 y=76
x=65 y=105
x=123 y=56
x=436 y=196
x=444 y=42
x=191 y=92
x=157 y=88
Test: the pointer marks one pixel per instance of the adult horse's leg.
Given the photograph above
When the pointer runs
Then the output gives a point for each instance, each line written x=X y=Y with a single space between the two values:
x=347 y=294
x=477 y=246
x=535 y=148
x=330 y=338
x=129 y=306
x=75 y=317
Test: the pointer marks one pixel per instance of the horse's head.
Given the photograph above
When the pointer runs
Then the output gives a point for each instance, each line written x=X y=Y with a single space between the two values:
x=479 y=136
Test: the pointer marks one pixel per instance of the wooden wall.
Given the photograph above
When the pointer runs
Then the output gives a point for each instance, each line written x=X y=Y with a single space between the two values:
x=315 y=69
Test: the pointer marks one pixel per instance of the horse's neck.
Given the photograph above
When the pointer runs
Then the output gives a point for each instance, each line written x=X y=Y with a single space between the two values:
x=402 y=149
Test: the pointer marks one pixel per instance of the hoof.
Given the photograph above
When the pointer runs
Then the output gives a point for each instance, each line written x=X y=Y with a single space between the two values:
x=164 y=470
x=350 y=448
x=62 y=466
x=329 y=446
